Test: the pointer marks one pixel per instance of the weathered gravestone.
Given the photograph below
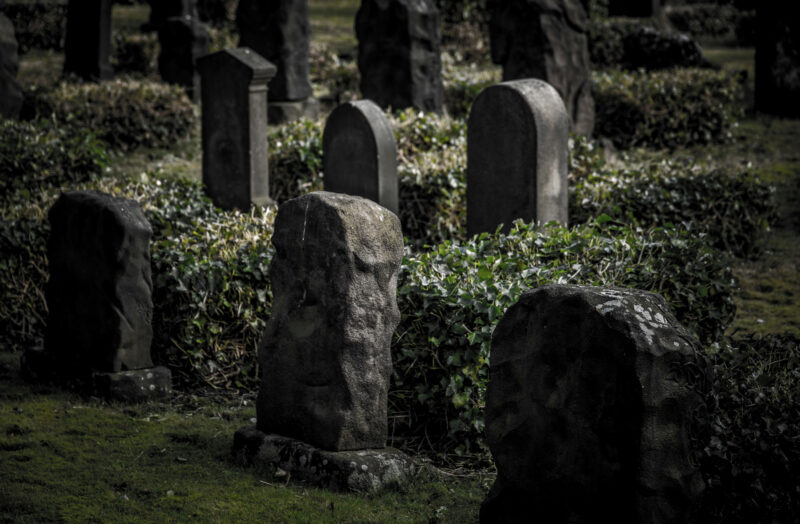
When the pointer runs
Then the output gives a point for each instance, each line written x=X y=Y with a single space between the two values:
x=360 y=154
x=183 y=40
x=235 y=160
x=10 y=91
x=325 y=353
x=99 y=298
x=594 y=395
x=88 y=41
x=546 y=39
x=777 y=60
x=635 y=8
x=399 y=44
x=517 y=156
x=279 y=31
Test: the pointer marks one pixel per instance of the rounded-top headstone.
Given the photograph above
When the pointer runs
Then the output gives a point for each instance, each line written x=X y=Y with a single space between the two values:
x=360 y=153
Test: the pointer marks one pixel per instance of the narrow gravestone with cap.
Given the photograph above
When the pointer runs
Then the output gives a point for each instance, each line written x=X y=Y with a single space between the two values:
x=325 y=354
x=10 y=91
x=399 y=55
x=99 y=299
x=279 y=30
x=183 y=40
x=777 y=78
x=594 y=397
x=235 y=160
x=360 y=154
x=546 y=39
x=517 y=156
x=87 y=45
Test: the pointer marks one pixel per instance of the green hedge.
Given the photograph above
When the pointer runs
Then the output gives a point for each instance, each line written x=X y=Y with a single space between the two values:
x=673 y=108
x=713 y=21
x=38 y=25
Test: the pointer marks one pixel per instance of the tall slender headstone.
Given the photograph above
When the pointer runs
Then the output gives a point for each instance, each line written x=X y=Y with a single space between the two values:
x=279 y=30
x=10 y=91
x=634 y=8
x=183 y=40
x=595 y=395
x=235 y=160
x=548 y=40
x=517 y=156
x=399 y=53
x=360 y=154
x=777 y=60
x=88 y=41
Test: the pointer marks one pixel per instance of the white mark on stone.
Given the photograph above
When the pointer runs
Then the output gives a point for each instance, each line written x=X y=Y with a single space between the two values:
x=676 y=344
x=353 y=465
x=152 y=387
x=364 y=468
x=149 y=375
x=660 y=319
x=305 y=219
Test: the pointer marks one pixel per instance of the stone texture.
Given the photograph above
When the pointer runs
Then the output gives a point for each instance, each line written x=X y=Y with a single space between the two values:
x=365 y=471
x=325 y=353
x=517 y=156
x=399 y=48
x=88 y=41
x=134 y=386
x=279 y=31
x=592 y=400
x=10 y=91
x=777 y=60
x=634 y=8
x=235 y=155
x=183 y=40
x=546 y=39
x=651 y=49
x=360 y=154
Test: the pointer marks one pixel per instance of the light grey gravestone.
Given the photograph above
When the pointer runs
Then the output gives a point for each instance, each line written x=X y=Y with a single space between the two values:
x=546 y=39
x=360 y=154
x=87 y=46
x=517 y=156
x=183 y=40
x=777 y=79
x=593 y=398
x=10 y=91
x=399 y=53
x=279 y=30
x=99 y=298
x=235 y=154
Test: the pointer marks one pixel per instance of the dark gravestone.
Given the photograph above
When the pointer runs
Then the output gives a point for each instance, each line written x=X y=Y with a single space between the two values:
x=279 y=31
x=10 y=91
x=325 y=353
x=161 y=10
x=399 y=44
x=635 y=8
x=88 y=41
x=183 y=40
x=235 y=159
x=517 y=156
x=546 y=39
x=593 y=399
x=99 y=297
x=777 y=60
x=360 y=154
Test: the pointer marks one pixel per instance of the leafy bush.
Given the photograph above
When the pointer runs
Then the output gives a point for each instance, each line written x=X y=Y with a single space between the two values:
x=462 y=86
x=135 y=53
x=338 y=74
x=38 y=25
x=124 y=113
x=666 y=108
x=605 y=40
x=709 y=20
x=295 y=159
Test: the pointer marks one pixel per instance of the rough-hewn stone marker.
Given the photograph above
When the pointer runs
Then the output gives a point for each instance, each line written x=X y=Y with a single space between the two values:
x=10 y=91
x=777 y=60
x=99 y=298
x=399 y=58
x=279 y=31
x=235 y=161
x=87 y=45
x=183 y=40
x=636 y=8
x=593 y=397
x=517 y=156
x=360 y=153
x=546 y=39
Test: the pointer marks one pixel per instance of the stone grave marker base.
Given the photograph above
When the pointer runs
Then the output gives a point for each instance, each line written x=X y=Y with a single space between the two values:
x=281 y=112
x=366 y=471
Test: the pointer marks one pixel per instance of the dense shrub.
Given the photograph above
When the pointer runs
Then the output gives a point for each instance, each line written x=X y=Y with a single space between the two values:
x=295 y=159
x=135 y=53
x=217 y=13
x=666 y=108
x=712 y=21
x=38 y=25
x=124 y=113
x=338 y=74
x=605 y=40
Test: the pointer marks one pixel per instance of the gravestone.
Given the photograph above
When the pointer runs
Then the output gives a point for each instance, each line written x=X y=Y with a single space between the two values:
x=546 y=39
x=10 y=91
x=634 y=8
x=279 y=31
x=360 y=154
x=183 y=40
x=99 y=298
x=593 y=398
x=777 y=78
x=87 y=46
x=235 y=154
x=161 y=10
x=399 y=53
x=517 y=156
